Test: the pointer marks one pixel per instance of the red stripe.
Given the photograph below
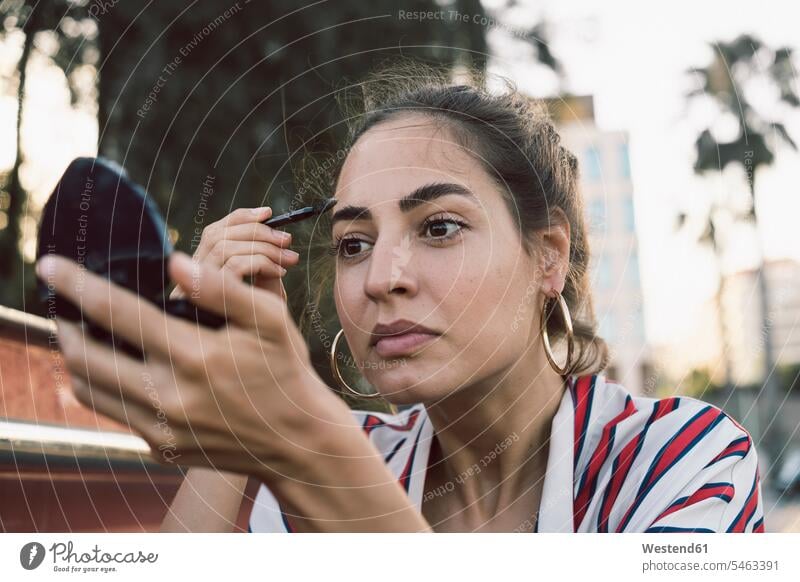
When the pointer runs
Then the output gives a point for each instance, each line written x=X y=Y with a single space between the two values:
x=404 y=478
x=697 y=497
x=735 y=447
x=749 y=507
x=582 y=400
x=678 y=446
x=626 y=458
x=674 y=450
x=596 y=462
x=372 y=422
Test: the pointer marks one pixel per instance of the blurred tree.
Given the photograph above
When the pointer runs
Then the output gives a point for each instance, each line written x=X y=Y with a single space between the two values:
x=536 y=36
x=212 y=105
x=724 y=83
x=709 y=236
x=697 y=383
x=31 y=21
x=790 y=377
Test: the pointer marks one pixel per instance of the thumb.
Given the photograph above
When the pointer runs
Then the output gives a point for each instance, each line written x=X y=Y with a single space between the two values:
x=221 y=292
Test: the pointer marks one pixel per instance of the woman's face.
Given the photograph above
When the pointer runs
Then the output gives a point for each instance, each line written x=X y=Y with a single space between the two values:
x=427 y=238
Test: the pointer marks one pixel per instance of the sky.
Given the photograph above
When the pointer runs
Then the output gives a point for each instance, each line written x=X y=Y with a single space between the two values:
x=632 y=57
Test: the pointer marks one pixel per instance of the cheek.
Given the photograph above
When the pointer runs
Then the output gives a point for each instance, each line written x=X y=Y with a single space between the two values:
x=491 y=299
x=348 y=295
x=352 y=309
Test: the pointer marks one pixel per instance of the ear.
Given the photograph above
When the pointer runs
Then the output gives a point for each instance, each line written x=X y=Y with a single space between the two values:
x=554 y=254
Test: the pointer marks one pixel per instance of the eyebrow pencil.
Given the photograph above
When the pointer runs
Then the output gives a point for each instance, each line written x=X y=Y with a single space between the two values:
x=302 y=213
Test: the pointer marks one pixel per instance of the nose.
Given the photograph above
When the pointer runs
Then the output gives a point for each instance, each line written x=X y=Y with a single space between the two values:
x=391 y=270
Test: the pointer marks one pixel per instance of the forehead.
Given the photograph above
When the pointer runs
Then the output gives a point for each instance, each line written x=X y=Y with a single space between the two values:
x=394 y=157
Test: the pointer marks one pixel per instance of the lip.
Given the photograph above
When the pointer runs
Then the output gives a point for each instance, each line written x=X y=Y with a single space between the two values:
x=402 y=345
x=400 y=337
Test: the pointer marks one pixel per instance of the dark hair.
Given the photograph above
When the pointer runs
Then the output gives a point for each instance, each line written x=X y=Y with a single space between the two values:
x=517 y=144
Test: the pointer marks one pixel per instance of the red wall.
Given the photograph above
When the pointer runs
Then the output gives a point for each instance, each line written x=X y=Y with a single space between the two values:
x=43 y=495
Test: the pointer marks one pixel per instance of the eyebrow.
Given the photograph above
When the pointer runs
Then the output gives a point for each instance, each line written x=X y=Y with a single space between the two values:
x=423 y=194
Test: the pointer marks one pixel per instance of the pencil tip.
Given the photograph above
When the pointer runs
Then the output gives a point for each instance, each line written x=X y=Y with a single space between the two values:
x=327 y=205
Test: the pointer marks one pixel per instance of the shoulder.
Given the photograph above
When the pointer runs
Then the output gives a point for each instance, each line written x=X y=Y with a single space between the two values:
x=602 y=404
x=633 y=452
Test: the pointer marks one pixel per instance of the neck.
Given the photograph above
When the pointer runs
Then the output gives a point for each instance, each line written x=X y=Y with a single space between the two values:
x=492 y=438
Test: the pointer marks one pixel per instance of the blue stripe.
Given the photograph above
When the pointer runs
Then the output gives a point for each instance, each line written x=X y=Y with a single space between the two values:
x=645 y=488
x=286 y=523
x=611 y=437
x=732 y=454
x=585 y=427
x=741 y=511
x=669 y=529
x=616 y=463
x=394 y=451
x=723 y=496
x=407 y=484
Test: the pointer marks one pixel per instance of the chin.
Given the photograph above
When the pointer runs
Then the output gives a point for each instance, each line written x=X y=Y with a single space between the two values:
x=405 y=385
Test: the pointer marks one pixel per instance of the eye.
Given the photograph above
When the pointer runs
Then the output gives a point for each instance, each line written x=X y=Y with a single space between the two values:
x=437 y=229
x=442 y=228
x=347 y=247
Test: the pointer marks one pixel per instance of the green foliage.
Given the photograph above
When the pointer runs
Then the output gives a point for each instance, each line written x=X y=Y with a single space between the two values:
x=789 y=378
x=214 y=105
x=724 y=81
x=697 y=383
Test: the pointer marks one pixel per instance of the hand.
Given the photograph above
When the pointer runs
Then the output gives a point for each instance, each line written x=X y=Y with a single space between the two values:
x=242 y=398
x=239 y=243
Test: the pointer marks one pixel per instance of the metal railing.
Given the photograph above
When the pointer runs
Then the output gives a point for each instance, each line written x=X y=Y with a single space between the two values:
x=25 y=439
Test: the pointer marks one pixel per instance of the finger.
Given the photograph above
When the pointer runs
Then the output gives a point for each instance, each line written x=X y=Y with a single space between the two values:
x=254 y=265
x=257 y=232
x=217 y=231
x=149 y=425
x=272 y=285
x=104 y=368
x=122 y=411
x=244 y=216
x=115 y=308
x=225 y=250
x=221 y=292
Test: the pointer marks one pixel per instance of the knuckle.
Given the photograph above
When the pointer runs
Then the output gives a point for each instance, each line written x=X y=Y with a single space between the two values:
x=264 y=233
x=81 y=389
x=217 y=252
x=261 y=263
x=237 y=264
x=188 y=359
x=71 y=354
x=241 y=213
x=218 y=357
x=210 y=232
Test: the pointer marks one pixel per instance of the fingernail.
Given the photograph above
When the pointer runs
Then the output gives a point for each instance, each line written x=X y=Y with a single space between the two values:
x=290 y=254
x=283 y=271
x=43 y=265
x=260 y=211
x=285 y=235
x=180 y=257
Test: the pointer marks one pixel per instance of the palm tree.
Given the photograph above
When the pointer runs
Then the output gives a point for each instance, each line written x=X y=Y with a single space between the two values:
x=723 y=82
x=709 y=235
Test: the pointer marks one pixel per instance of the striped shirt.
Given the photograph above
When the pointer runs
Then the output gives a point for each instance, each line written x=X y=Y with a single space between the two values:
x=616 y=463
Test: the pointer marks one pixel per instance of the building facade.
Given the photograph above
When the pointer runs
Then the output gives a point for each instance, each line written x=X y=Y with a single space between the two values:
x=607 y=191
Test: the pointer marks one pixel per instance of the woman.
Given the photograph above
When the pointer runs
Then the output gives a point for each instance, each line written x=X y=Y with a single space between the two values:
x=461 y=252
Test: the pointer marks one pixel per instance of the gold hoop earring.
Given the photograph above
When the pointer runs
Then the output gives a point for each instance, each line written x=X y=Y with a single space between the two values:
x=548 y=351
x=338 y=376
